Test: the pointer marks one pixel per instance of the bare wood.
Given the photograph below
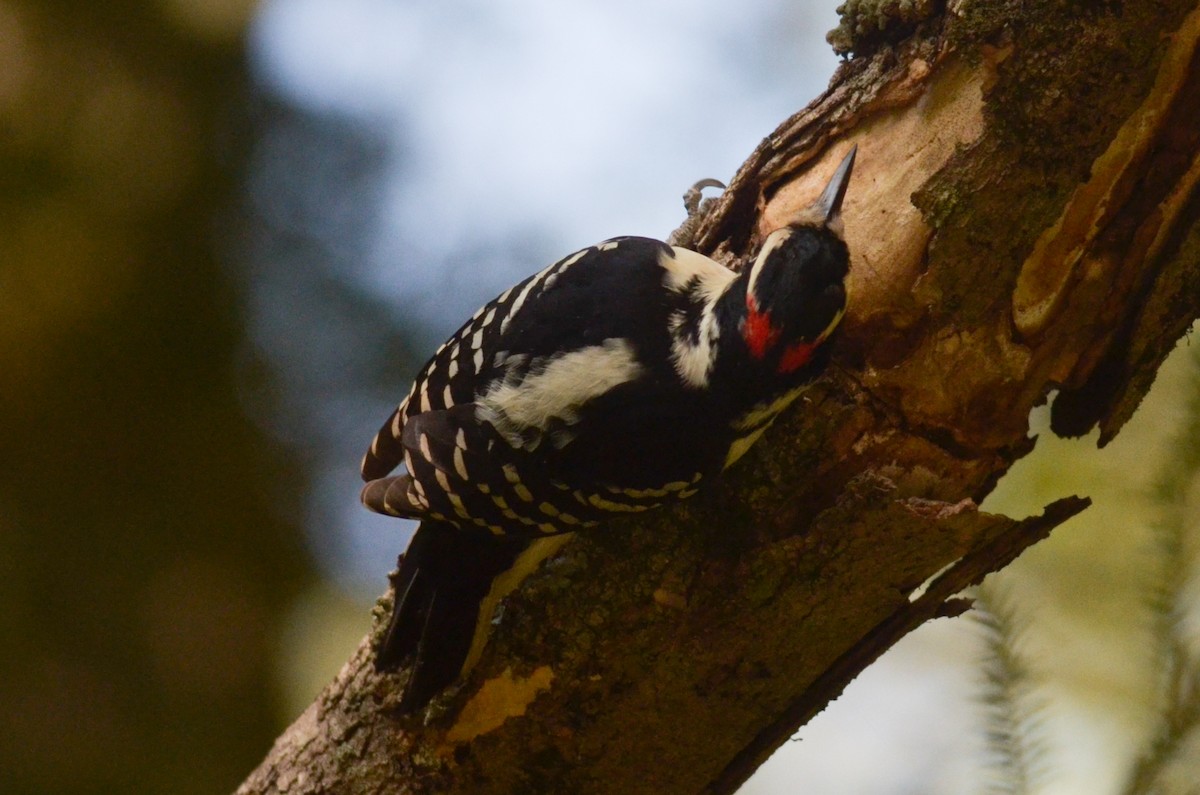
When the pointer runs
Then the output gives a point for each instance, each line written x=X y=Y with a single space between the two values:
x=1023 y=217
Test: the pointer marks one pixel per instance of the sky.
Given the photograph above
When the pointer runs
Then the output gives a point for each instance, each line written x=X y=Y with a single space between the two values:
x=574 y=121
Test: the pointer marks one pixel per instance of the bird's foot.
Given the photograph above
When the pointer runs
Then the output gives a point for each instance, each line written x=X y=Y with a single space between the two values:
x=697 y=207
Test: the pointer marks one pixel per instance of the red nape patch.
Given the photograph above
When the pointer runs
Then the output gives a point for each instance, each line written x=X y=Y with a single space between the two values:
x=796 y=356
x=759 y=333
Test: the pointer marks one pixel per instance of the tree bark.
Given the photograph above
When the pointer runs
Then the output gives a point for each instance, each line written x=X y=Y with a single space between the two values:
x=1022 y=218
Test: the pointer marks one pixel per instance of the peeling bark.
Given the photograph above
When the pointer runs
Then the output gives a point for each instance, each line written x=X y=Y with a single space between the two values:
x=1023 y=218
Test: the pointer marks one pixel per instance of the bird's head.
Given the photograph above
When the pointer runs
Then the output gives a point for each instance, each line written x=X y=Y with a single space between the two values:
x=795 y=291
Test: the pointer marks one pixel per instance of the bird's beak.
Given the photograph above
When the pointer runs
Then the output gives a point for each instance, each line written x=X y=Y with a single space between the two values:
x=829 y=205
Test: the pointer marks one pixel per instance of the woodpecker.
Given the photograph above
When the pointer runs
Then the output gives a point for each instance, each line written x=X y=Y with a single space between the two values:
x=622 y=377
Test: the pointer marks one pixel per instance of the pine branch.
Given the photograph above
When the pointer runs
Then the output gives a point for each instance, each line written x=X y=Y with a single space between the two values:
x=1175 y=658
x=1016 y=739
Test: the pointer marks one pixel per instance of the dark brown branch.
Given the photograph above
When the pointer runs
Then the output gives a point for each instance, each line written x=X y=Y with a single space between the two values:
x=1008 y=539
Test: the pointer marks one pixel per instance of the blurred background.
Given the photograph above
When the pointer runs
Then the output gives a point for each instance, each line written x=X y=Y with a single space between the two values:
x=229 y=233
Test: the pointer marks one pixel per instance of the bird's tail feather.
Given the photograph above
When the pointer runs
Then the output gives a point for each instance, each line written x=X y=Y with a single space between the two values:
x=443 y=584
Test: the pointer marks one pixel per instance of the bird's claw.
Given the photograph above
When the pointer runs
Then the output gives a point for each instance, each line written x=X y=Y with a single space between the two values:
x=692 y=196
x=692 y=202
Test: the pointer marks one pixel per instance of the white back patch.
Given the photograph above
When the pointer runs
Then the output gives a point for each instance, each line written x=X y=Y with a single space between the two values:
x=555 y=388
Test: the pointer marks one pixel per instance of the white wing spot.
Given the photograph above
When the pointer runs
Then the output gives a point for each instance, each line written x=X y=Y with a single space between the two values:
x=521 y=296
x=765 y=413
x=561 y=265
x=478 y=360
x=607 y=245
x=639 y=494
x=615 y=507
x=452 y=368
x=571 y=260
x=741 y=445
x=753 y=423
x=457 y=502
x=460 y=466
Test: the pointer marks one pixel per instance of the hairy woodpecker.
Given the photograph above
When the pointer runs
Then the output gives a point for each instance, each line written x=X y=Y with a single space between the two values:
x=620 y=378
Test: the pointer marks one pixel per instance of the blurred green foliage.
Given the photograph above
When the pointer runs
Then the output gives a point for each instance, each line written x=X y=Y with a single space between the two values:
x=144 y=561
x=1090 y=603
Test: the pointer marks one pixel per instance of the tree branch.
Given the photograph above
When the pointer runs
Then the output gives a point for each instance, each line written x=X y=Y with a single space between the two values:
x=1023 y=217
